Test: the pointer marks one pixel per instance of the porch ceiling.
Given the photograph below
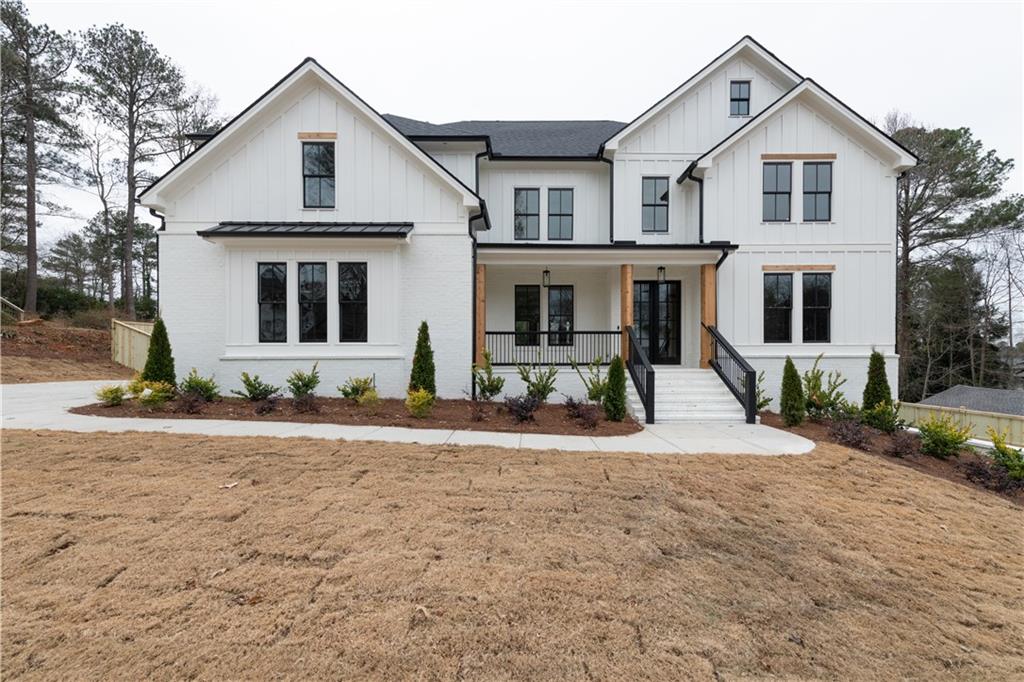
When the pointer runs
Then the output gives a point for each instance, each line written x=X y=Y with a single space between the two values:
x=597 y=254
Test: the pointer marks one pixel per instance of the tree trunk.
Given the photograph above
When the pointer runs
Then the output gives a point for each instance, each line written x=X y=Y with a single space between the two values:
x=128 y=285
x=903 y=308
x=31 y=168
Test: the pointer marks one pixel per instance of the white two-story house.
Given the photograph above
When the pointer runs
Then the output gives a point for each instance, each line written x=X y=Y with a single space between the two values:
x=747 y=216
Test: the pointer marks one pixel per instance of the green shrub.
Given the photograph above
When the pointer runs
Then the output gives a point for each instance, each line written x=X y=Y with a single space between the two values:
x=422 y=376
x=419 y=403
x=876 y=391
x=596 y=384
x=540 y=383
x=136 y=386
x=368 y=398
x=1008 y=458
x=156 y=393
x=205 y=388
x=884 y=417
x=763 y=399
x=111 y=396
x=355 y=387
x=255 y=390
x=487 y=385
x=942 y=437
x=159 y=361
x=303 y=384
x=615 y=393
x=791 y=403
x=821 y=393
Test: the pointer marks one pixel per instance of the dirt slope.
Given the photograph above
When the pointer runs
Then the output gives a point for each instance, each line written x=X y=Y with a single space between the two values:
x=50 y=352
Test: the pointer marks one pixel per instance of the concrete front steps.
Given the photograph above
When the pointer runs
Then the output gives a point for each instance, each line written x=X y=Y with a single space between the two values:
x=687 y=395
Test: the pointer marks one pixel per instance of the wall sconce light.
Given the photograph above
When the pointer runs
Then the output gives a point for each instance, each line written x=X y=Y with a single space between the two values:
x=545 y=278
x=661 y=274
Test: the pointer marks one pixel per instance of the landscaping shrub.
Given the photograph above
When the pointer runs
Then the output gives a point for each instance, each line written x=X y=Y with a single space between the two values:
x=419 y=403
x=902 y=444
x=791 y=404
x=540 y=383
x=849 y=433
x=572 y=407
x=422 y=376
x=941 y=437
x=255 y=390
x=111 y=396
x=487 y=385
x=821 y=392
x=595 y=384
x=265 y=406
x=301 y=384
x=368 y=398
x=190 y=402
x=1010 y=459
x=136 y=386
x=588 y=415
x=355 y=387
x=884 y=417
x=876 y=390
x=615 y=393
x=159 y=361
x=477 y=410
x=203 y=387
x=156 y=393
x=763 y=399
x=522 y=407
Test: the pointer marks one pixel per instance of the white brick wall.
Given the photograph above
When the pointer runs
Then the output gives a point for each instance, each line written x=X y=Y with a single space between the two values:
x=853 y=369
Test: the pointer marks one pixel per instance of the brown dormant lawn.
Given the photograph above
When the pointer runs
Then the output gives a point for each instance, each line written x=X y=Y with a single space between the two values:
x=130 y=556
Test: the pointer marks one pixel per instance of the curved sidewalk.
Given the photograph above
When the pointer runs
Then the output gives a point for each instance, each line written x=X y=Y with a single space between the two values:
x=44 y=406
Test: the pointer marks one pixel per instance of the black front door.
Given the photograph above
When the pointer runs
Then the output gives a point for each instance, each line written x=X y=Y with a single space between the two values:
x=656 y=317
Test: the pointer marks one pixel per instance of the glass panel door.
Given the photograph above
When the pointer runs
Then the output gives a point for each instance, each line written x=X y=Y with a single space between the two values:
x=657 y=320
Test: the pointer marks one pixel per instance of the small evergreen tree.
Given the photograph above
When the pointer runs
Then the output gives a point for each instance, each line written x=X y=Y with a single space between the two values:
x=792 y=400
x=159 y=361
x=422 y=376
x=615 y=391
x=876 y=391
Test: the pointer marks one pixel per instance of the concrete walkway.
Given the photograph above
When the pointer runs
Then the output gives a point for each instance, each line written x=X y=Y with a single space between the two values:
x=44 y=406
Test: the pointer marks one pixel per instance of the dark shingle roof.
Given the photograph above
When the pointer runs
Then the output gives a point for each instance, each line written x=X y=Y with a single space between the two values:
x=561 y=139
x=300 y=229
x=1001 y=400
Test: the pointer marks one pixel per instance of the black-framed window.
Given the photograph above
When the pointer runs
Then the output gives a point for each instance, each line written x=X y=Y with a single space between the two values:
x=654 y=216
x=526 y=218
x=312 y=302
x=560 y=315
x=352 y=301
x=527 y=324
x=318 y=174
x=739 y=98
x=559 y=214
x=818 y=191
x=778 y=307
x=817 y=307
x=272 y=299
x=776 y=187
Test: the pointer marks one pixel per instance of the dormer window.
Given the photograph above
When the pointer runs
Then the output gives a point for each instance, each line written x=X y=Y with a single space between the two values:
x=739 y=98
x=318 y=174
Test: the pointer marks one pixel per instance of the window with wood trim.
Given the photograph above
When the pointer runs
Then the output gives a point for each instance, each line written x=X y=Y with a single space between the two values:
x=559 y=214
x=776 y=186
x=272 y=300
x=352 y=302
x=778 y=308
x=312 y=302
x=526 y=216
x=739 y=98
x=817 y=192
x=318 y=174
x=560 y=315
x=817 y=312
x=527 y=323
x=654 y=211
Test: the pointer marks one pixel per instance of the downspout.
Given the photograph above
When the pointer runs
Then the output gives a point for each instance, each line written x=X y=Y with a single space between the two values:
x=163 y=227
x=611 y=196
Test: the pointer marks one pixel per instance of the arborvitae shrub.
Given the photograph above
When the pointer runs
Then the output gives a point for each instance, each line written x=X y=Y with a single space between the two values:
x=422 y=376
x=159 y=361
x=876 y=391
x=792 y=399
x=615 y=391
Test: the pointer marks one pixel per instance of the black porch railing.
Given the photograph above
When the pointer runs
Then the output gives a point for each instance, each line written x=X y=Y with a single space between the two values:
x=557 y=348
x=641 y=371
x=735 y=372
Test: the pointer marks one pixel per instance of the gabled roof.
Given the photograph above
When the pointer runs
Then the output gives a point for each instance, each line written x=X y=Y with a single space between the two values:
x=744 y=44
x=306 y=67
x=1001 y=400
x=901 y=157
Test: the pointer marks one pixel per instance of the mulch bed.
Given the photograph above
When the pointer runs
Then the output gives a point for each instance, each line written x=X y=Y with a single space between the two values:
x=970 y=468
x=447 y=414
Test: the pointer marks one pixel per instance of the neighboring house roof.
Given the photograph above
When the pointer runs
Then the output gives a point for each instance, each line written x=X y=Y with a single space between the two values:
x=519 y=139
x=303 y=229
x=1000 y=400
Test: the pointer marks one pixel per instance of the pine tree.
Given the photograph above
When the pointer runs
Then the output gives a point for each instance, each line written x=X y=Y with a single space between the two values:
x=792 y=399
x=159 y=361
x=876 y=391
x=615 y=393
x=422 y=376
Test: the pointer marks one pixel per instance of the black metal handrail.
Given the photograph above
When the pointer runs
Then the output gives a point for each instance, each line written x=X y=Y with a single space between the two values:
x=642 y=372
x=735 y=372
x=559 y=348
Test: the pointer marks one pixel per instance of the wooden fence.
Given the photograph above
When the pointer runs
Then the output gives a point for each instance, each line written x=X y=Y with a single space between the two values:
x=978 y=421
x=129 y=343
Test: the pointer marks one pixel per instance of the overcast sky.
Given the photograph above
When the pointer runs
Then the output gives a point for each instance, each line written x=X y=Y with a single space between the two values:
x=946 y=64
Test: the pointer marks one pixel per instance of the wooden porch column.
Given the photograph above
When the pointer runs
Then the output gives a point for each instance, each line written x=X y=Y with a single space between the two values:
x=626 y=305
x=708 y=310
x=480 y=336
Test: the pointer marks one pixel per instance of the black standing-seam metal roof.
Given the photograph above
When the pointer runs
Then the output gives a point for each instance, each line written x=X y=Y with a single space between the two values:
x=306 y=229
x=1000 y=400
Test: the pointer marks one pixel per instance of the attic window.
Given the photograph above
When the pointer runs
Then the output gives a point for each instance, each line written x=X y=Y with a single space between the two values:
x=739 y=98
x=318 y=174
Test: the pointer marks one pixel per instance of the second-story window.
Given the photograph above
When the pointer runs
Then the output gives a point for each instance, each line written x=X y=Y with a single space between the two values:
x=739 y=98
x=776 y=188
x=818 y=192
x=527 y=213
x=559 y=214
x=318 y=174
x=654 y=216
